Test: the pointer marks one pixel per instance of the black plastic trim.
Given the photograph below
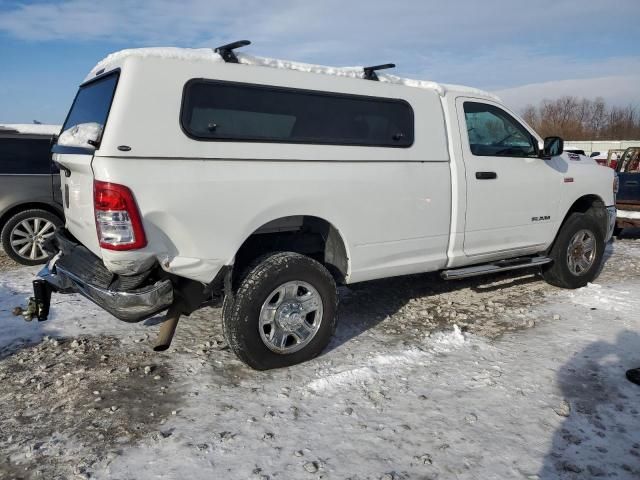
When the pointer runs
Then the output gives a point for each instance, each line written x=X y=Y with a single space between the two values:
x=72 y=150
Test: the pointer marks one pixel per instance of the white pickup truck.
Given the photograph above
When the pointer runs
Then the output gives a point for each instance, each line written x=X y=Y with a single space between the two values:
x=194 y=174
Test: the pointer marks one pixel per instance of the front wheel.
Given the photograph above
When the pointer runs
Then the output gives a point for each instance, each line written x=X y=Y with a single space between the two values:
x=282 y=313
x=577 y=253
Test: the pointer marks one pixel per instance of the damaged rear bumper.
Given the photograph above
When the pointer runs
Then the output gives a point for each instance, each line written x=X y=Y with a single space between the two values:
x=74 y=269
x=128 y=306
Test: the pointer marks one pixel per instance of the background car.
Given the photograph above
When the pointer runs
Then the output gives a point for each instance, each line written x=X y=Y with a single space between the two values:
x=575 y=150
x=628 y=197
x=30 y=203
x=613 y=156
x=600 y=157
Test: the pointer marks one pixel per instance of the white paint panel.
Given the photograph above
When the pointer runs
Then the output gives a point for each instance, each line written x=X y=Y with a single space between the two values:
x=393 y=216
x=78 y=204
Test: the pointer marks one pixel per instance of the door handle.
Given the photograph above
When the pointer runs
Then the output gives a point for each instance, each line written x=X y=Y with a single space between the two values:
x=631 y=183
x=486 y=175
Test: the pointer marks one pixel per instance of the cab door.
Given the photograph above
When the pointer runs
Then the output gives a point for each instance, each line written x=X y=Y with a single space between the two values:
x=512 y=194
x=629 y=177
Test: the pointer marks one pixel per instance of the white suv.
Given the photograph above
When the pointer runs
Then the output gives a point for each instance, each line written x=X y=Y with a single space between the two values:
x=194 y=173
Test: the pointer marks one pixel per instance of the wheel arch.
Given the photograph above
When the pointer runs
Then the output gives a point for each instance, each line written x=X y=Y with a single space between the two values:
x=589 y=203
x=306 y=234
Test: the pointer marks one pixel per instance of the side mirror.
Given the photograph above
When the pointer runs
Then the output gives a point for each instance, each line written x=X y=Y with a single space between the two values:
x=553 y=146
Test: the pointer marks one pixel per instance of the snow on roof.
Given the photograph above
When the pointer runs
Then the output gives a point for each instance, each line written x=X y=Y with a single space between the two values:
x=32 y=128
x=207 y=54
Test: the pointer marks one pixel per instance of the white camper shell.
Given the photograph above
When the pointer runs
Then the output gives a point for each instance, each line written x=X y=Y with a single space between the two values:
x=266 y=182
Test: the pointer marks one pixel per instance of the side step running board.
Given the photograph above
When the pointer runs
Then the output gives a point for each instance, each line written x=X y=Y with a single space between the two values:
x=499 y=266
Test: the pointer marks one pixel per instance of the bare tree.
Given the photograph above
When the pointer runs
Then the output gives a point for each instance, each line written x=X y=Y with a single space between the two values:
x=583 y=119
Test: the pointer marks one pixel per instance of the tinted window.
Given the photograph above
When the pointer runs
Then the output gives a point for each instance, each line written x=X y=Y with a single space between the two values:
x=494 y=133
x=25 y=156
x=92 y=102
x=215 y=110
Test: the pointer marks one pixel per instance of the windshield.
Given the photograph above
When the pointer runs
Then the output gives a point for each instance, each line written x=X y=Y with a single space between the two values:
x=90 y=110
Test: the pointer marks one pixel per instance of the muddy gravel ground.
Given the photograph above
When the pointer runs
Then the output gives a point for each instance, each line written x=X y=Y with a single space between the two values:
x=73 y=405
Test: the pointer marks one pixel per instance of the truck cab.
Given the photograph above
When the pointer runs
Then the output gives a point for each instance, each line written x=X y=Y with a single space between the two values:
x=191 y=174
x=628 y=197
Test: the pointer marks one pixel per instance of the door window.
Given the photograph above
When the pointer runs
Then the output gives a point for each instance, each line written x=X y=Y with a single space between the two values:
x=493 y=132
x=630 y=162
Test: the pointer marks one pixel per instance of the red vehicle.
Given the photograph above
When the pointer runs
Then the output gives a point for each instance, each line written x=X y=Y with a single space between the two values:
x=613 y=157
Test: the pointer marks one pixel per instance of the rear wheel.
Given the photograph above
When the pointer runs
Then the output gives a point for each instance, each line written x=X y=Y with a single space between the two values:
x=24 y=234
x=577 y=253
x=282 y=313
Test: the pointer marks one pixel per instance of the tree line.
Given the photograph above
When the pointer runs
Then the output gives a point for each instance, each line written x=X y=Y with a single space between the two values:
x=575 y=118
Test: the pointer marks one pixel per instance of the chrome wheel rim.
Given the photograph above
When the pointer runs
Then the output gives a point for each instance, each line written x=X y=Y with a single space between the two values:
x=27 y=237
x=290 y=317
x=581 y=252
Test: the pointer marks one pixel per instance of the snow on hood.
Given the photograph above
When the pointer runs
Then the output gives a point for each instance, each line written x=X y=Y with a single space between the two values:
x=32 y=128
x=207 y=54
x=79 y=135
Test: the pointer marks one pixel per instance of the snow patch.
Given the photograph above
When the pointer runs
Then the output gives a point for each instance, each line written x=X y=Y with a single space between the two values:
x=388 y=363
x=607 y=298
x=444 y=341
x=347 y=377
x=628 y=214
x=174 y=53
x=80 y=135
x=207 y=54
x=350 y=72
x=33 y=129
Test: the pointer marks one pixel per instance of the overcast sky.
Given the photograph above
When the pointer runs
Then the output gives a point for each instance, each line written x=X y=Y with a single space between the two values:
x=523 y=50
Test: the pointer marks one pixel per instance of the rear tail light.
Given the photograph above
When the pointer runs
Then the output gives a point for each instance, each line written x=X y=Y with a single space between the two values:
x=117 y=217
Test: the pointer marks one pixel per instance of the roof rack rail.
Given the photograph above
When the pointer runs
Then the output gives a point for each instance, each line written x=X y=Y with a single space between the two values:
x=370 y=72
x=227 y=51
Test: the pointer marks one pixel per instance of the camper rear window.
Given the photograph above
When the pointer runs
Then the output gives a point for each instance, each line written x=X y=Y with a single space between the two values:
x=215 y=110
x=92 y=102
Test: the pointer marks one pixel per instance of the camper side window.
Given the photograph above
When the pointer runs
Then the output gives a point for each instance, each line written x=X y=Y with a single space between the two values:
x=215 y=110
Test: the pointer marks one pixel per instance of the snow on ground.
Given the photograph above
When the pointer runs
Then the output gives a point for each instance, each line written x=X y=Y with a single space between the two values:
x=495 y=378
x=628 y=214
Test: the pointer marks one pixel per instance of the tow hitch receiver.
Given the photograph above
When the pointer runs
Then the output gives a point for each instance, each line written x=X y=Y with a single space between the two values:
x=39 y=304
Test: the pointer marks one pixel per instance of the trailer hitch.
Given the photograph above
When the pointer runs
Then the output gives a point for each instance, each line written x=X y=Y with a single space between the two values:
x=40 y=303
